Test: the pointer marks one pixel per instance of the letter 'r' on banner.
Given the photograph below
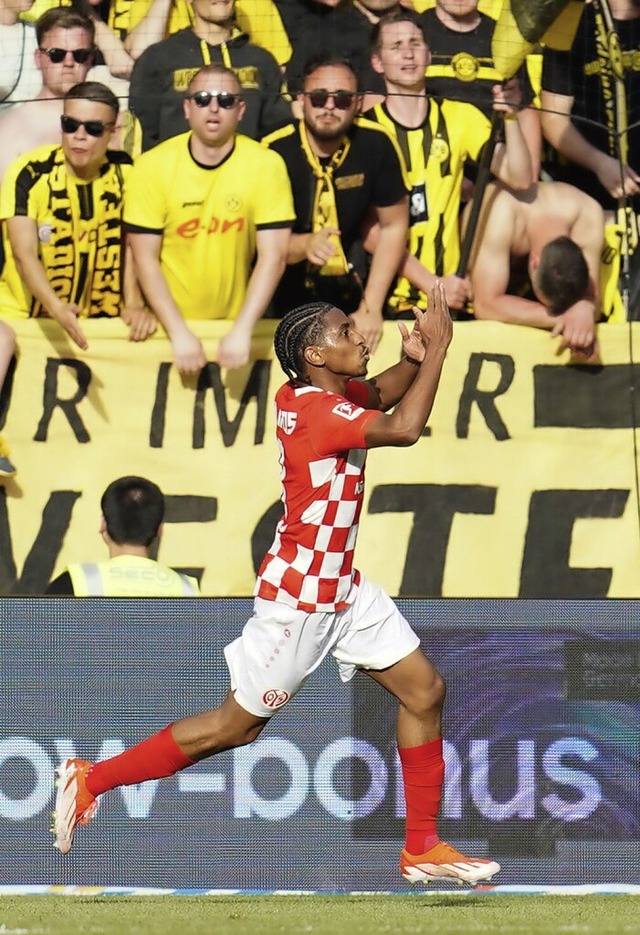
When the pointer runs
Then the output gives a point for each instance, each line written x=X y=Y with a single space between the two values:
x=523 y=23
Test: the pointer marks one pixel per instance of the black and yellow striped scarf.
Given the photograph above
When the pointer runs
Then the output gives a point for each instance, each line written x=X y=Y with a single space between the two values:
x=81 y=251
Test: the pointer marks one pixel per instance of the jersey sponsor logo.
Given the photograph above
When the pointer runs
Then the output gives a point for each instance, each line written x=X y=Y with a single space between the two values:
x=286 y=421
x=347 y=411
x=350 y=181
x=191 y=228
x=275 y=698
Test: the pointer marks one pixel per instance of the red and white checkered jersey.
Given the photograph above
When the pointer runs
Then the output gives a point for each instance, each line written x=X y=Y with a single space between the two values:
x=322 y=455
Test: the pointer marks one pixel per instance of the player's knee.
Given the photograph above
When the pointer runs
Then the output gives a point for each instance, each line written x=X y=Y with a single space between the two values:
x=239 y=735
x=430 y=697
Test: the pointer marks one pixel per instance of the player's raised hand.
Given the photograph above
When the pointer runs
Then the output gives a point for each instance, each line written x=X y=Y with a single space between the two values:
x=436 y=327
x=412 y=344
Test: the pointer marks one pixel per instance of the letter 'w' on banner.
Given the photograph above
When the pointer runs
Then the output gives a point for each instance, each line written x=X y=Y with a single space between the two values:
x=522 y=24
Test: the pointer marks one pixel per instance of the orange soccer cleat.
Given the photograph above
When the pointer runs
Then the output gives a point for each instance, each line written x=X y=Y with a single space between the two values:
x=74 y=803
x=444 y=862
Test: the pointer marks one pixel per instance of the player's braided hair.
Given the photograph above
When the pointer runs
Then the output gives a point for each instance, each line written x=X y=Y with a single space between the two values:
x=298 y=329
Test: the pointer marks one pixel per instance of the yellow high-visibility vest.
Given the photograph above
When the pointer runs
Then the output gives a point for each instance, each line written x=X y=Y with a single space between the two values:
x=130 y=576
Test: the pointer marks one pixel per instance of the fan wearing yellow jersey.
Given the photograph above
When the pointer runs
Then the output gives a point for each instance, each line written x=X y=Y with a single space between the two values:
x=209 y=216
x=436 y=138
x=61 y=208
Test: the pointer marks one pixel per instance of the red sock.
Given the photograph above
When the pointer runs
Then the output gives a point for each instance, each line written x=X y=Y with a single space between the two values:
x=154 y=758
x=423 y=774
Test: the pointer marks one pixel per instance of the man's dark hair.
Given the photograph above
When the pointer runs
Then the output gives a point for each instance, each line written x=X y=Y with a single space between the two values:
x=326 y=60
x=388 y=19
x=298 y=329
x=563 y=274
x=63 y=18
x=93 y=91
x=133 y=508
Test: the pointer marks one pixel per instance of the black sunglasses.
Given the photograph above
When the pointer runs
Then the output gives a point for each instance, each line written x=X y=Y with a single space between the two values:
x=93 y=127
x=342 y=100
x=80 y=56
x=226 y=99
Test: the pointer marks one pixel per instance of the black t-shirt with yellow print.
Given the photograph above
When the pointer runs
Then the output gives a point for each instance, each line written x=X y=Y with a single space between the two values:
x=461 y=67
x=371 y=173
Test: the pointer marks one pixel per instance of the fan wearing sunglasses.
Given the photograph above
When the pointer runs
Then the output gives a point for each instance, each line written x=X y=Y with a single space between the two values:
x=63 y=211
x=161 y=74
x=208 y=216
x=342 y=169
x=63 y=58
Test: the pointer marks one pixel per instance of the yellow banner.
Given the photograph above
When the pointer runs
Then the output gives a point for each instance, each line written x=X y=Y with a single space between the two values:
x=525 y=486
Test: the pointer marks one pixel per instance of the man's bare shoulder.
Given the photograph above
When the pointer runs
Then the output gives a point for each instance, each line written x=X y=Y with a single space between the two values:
x=35 y=122
x=499 y=211
x=558 y=196
x=501 y=201
x=28 y=126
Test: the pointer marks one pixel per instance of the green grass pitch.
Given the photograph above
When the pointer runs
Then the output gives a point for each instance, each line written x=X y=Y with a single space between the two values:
x=416 y=914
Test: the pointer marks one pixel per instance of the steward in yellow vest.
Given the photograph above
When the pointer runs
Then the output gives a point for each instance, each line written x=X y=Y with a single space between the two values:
x=132 y=514
x=130 y=576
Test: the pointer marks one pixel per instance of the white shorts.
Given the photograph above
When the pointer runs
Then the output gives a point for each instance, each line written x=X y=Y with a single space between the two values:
x=280 y=646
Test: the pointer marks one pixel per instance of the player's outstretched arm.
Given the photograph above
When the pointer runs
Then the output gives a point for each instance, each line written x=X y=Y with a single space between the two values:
x=405 y=424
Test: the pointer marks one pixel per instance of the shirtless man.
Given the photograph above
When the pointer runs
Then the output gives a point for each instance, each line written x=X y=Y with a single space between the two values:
x=555 y=232
x=36 y=123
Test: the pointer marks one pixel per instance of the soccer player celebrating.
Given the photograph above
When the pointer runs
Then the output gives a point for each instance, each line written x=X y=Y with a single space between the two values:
x=310 y=601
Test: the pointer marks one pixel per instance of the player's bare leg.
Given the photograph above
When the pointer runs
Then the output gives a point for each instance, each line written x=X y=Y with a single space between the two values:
x=228 y=726
x=174 y=748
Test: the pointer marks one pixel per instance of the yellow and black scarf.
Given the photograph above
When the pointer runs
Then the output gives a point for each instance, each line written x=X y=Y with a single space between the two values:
x=324 y=212
x=614 y=97
x=81 y=249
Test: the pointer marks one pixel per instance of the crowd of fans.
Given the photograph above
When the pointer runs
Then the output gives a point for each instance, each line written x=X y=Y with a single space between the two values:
x=170 y=160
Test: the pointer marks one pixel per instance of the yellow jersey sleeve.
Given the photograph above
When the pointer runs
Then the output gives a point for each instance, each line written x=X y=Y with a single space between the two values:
x=144 y=199
x=18 y=191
